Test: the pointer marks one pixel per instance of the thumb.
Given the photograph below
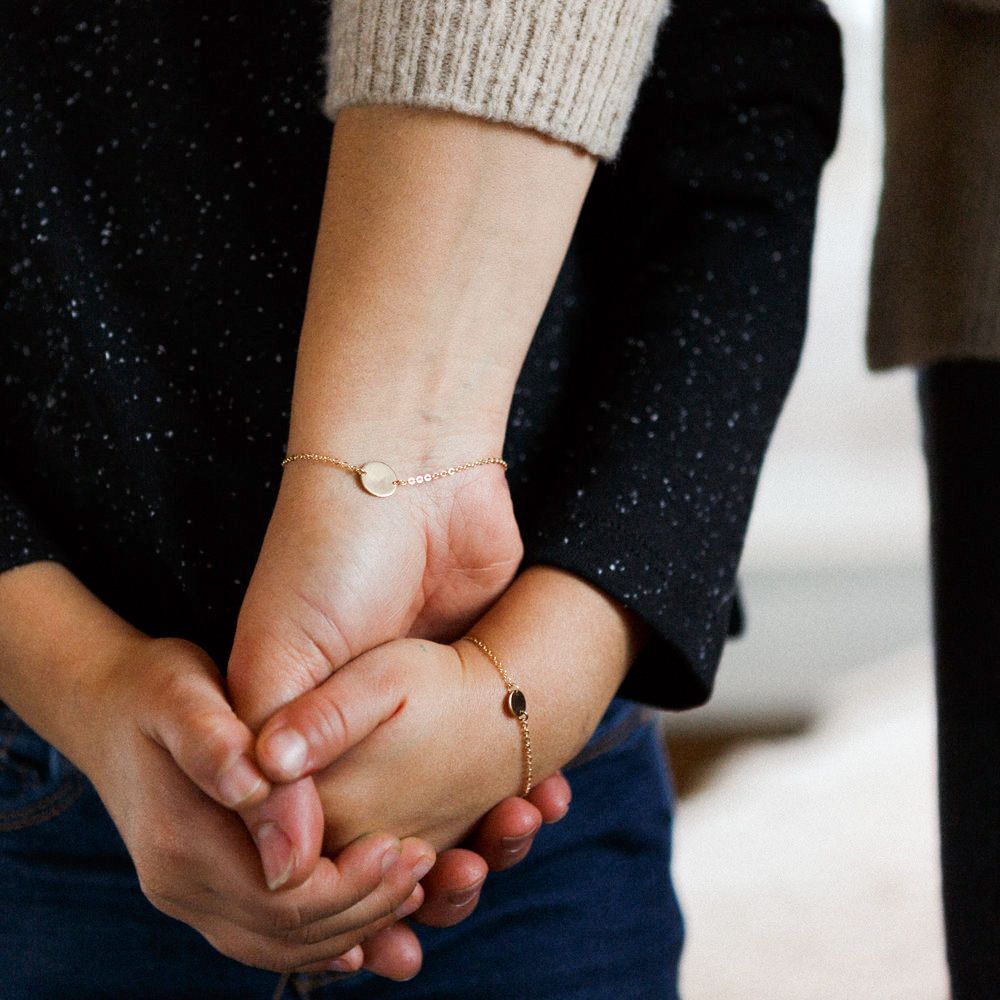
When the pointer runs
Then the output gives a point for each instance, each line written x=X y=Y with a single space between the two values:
x=278 y=652
x=321 y=725
x=288 y=831
x=192 y=720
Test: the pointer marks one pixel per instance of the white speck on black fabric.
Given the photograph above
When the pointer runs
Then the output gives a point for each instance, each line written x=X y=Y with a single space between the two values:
x=161 y=170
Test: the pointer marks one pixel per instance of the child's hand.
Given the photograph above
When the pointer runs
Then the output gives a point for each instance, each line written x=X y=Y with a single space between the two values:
x=413 y=736
x=418 y=740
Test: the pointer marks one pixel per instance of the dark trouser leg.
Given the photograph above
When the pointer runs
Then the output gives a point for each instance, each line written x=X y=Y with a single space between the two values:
x=960 y=402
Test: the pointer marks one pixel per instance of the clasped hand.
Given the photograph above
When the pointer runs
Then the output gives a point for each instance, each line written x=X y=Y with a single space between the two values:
x=377 y=742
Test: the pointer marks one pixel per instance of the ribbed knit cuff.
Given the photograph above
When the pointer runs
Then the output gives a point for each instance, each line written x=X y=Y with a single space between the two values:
x=570 y=69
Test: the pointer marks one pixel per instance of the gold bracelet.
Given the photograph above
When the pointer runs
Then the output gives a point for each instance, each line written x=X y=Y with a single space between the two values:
x=516 y=704
x=380 y=480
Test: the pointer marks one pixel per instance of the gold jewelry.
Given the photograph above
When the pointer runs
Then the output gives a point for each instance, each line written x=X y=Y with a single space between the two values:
x=380 y=480
x=516 y=704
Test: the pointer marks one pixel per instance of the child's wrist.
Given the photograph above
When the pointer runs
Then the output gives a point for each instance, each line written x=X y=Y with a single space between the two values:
x=568 y=646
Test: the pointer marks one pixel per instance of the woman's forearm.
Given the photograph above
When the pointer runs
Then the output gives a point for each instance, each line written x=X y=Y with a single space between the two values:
x=440 y=239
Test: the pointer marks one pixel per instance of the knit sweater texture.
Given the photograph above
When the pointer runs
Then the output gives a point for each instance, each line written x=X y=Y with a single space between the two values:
x=570 y=69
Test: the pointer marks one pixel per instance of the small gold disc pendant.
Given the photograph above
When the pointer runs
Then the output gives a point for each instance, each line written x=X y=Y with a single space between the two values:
x=378 y=479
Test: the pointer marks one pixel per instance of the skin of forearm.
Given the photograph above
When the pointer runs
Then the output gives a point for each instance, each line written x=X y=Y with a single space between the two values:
x=56 y=639
x=440 y=240
x=568 y=646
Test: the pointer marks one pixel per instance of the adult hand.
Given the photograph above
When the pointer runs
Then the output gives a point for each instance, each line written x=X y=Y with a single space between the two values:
x=147 y=720
x=439 y=242
x=340 y=572
x=166 y=728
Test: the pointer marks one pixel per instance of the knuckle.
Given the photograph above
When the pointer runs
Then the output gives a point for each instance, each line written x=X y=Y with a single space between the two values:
x=323 y=723
x=272 y=666
x=284 y=920
x=174 y=689
x=214 y=740
x=150 y=887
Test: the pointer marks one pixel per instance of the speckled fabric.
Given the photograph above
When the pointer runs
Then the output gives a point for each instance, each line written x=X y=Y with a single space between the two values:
x=161 y=168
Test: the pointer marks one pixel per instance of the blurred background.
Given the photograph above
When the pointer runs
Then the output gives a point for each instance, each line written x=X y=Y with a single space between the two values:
x=806 y=841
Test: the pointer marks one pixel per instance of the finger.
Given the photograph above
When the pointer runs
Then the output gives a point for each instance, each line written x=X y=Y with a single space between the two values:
x=394 y=953
x=191 y=719
x=552 y=797
x=265 y=952
x=451 y=890
x=346 y=964
x=373 y=863
x=306 y=913
x=505 y=834
x=319 y=726
x=287 y=828
x=283 y=943
x=397 y=895
x=285 y=643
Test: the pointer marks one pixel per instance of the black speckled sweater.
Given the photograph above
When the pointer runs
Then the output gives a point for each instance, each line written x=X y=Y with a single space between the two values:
x=161 y=170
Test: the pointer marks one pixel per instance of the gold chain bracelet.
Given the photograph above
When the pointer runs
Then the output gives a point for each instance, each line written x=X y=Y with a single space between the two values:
x=380 y=480
x=516 y=704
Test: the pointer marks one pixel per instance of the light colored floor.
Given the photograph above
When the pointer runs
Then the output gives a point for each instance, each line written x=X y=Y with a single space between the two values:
x=807 y=867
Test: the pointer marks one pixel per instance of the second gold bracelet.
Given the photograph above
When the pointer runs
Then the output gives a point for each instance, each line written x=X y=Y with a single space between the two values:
x=516 y=704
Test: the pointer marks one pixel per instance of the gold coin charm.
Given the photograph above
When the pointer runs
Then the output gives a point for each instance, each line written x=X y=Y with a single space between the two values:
x=378 y=479
x=517 y=703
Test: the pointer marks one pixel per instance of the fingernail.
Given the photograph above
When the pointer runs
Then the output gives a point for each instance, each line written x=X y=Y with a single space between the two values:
x=390 y=857
x=276 y=854
x=289 y=750
x=411 y=905
x=350 y=961
x=512 y=845
x=422 y=867
x=462 y=896
x=238 y=783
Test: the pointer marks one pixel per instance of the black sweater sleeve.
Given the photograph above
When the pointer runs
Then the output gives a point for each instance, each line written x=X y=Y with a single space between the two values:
x=22 y=538
x=687 y=286
x=139 y=435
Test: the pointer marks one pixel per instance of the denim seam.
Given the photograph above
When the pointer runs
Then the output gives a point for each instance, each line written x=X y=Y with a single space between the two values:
x=56 y=802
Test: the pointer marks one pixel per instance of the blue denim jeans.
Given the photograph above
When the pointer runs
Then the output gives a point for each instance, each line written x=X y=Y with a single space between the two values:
x=590 y=915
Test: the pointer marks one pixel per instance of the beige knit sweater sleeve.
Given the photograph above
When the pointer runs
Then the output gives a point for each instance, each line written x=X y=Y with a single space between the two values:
x=570 y=69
